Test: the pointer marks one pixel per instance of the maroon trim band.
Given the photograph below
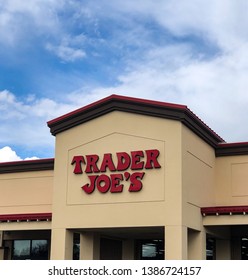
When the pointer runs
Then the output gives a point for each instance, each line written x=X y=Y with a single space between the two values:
x=26 y=217
x=224 y=210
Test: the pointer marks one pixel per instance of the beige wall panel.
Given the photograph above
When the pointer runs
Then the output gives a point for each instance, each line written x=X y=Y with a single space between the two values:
x=195 y=145
x=232 y=181
x=225 y=220
x=113 y=215
x=152 y=182
x=199 y=181
x=25 y=226
x=198 y=170
x=119 y=122
x=159 y=201
x=192 y=216
x=198 y=161
x=239 y=179
x=29 y=192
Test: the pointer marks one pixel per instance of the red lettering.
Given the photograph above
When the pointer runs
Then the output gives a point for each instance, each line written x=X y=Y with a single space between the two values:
x=136 y=184
x=136 y=163
x=115 y=183
x=107 y=162
x=103 y=183
x=78 y=160
x=91 y=166
x=123 y=161
x=152 y=159
x=89 y=188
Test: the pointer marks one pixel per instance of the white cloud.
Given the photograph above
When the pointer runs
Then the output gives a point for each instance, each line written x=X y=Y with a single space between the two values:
x=31 y=158
x=205 y=66
x=43 y=20
x=19 y=19
x=221 y=22
x=23 y=122
x=215 y=89
x=69 y=49
x=66 y=53
x=7 y=155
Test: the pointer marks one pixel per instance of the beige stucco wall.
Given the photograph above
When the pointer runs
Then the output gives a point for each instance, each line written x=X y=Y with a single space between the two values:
x=198 y=169
x=231 y=185
x=26 y=192
x=210 y=181
x=158 y=203
x=198 y=161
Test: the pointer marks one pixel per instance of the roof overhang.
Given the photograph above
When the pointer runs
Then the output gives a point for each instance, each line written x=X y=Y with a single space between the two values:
x=232 y=149
x=136 y=106
x=27 y=165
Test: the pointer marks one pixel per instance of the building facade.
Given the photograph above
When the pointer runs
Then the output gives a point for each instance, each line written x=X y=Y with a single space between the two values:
x=131 y=179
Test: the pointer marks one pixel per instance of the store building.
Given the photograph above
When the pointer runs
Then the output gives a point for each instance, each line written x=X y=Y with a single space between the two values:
x=131 y=179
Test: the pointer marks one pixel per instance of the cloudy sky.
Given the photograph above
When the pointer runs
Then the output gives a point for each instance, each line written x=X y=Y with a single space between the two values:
x=58 y=55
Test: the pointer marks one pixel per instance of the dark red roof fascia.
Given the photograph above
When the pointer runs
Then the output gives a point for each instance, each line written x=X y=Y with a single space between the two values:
x=232 y=149
x=27 y=165
x=112 y=98
x=224 y=210
x=137 y=106
x=26 y=217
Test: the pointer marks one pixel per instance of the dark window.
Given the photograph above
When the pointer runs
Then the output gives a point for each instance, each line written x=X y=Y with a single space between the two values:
x=110 y=249
x=244 y=248
x=76 y=246
x=210 y=250
x=30 y=249
x=152 y=249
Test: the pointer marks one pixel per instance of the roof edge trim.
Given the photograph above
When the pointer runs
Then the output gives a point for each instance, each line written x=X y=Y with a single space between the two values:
x=25 y=217
x=27 y=165
x=231 y=149
x=137 y=106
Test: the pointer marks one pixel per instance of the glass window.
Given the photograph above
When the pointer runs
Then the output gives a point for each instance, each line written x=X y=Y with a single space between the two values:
x=76 y=246
x=152 y=249
x=244 y=248
x=30 y=249
x=39 y=250
x=210 y=249
x=21 y=249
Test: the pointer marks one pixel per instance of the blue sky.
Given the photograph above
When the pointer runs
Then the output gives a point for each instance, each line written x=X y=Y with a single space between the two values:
x=58 y=55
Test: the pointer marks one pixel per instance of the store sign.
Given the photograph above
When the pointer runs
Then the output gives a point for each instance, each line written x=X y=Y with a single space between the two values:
x=95 y=168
